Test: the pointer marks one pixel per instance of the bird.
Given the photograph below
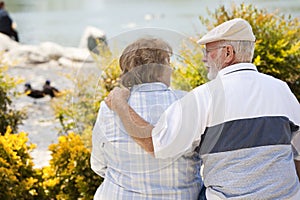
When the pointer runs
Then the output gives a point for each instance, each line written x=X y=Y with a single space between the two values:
x=33 y=93
x=50 y=90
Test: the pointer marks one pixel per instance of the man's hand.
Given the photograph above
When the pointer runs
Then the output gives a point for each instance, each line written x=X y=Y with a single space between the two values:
x=117 y=98
x=139 y=129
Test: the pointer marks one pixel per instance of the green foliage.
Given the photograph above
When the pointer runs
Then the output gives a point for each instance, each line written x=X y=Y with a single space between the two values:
x=8 y=115
x=18 y=179
x=77 y=111
x=69 y=175
x=277 y=51
x=109 y=78
x=189 y=71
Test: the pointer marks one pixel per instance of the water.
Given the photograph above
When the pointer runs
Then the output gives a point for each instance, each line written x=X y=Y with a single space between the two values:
x=64 y=21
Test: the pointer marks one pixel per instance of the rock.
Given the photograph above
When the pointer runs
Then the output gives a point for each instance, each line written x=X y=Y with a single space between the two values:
x=51 y=50
x=93 y=39
x=16 y=53
x=6 y=43
x=36 y=58
x=27 y=54
x=77 y=54
x=65 y=62
x=45 y=52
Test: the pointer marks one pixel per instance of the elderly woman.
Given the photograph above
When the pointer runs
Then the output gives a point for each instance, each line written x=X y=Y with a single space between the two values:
x=128 y=171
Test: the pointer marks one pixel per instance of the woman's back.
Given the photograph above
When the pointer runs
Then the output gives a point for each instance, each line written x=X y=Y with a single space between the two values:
x=130 y=172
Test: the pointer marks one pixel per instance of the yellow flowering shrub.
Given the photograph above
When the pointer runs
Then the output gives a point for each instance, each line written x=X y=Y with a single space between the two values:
x=18 y=178
x=69 y=175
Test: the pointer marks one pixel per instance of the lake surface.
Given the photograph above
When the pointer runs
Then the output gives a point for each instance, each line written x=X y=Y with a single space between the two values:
x=64 y=21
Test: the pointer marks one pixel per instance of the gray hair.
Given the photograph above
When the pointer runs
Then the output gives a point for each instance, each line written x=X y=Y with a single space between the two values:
x=146 y=60
x=149 y=73
x=244 y=50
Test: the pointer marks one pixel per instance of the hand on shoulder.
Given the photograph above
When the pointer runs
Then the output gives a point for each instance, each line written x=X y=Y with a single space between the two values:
x=117 y=98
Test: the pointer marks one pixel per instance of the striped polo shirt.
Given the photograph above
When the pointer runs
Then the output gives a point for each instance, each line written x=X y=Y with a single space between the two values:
x=244 y=122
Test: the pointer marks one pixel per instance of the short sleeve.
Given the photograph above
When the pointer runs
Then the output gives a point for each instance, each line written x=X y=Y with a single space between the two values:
x=296 y=145
x=293 y=109
x=98 y=160
x=180 y=126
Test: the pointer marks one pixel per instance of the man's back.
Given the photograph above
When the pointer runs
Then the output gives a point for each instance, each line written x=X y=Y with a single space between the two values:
x=252 y=157
x=5 y=21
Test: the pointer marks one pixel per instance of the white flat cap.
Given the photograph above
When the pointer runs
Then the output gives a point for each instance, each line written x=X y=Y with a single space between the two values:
x=235 y=29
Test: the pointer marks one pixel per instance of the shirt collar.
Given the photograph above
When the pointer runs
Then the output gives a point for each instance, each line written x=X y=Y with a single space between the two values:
x=236 y=68
x=147 y=87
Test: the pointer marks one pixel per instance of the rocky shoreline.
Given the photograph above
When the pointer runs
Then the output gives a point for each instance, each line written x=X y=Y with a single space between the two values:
x=15 y=53
x=35 y=64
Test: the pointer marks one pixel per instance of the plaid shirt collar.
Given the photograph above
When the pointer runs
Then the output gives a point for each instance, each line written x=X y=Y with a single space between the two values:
x=148 y=87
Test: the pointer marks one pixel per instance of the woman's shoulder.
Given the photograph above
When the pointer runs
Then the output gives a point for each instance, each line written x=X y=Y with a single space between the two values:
x=104 y=110
x=180 y=93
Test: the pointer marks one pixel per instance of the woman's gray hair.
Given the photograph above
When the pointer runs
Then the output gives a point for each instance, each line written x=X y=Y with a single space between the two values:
x=148 y=73
x=144 y=61
x=244 y=50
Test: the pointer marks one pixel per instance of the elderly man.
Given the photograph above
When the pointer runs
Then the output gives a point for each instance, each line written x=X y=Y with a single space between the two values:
x=246 y=123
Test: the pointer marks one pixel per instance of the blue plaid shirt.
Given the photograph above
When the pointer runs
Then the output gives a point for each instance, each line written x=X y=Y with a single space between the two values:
x=130 y=172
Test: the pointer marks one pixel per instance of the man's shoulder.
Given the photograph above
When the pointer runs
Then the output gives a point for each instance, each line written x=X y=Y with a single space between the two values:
x=270 y=81
x=206 y=87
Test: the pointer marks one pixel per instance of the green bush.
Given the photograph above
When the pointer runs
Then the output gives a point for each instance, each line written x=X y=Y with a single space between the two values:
x=77 y=111
x=18 y=178
x=189 y=70
x=277 y=50
x=69 y=175
x=8 y=115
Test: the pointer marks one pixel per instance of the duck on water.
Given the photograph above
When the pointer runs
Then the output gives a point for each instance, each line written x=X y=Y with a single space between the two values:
x=37 y=94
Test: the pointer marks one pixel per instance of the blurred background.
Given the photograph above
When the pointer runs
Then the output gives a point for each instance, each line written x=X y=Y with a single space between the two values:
x=64 y=21
x=50 y=32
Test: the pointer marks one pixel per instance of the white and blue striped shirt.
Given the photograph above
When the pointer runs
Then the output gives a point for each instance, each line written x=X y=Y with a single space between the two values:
x=247 y=124
x=130 y=172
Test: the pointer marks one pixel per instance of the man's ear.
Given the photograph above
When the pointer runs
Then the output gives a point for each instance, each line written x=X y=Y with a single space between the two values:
x=229 y=54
